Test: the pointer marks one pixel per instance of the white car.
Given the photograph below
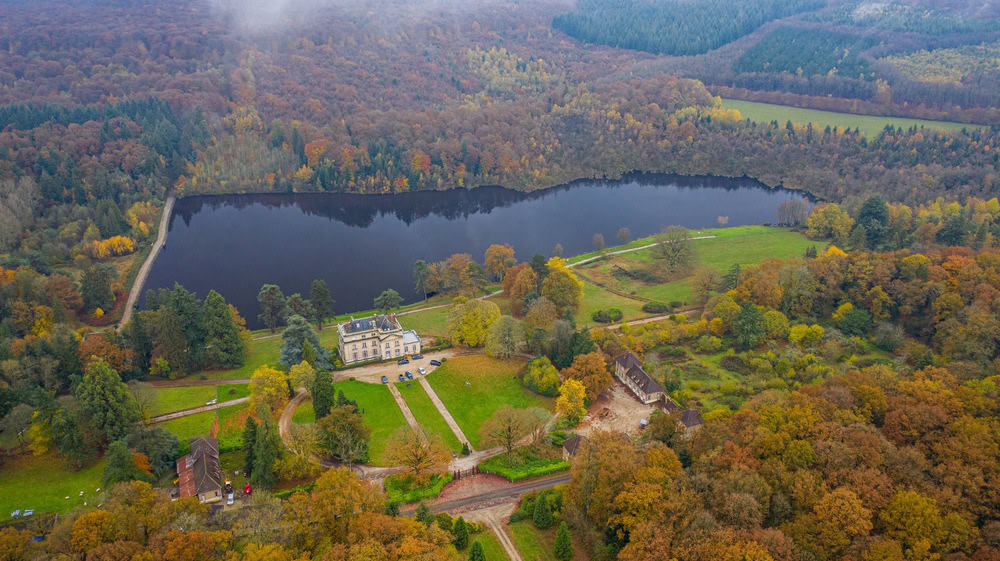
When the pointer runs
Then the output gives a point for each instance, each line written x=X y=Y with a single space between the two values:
x=229 y=499
x=212 y=401
x=422 y=370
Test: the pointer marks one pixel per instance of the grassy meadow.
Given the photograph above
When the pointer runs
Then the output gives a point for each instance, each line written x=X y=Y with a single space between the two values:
x=43 y=483
x=870 y=125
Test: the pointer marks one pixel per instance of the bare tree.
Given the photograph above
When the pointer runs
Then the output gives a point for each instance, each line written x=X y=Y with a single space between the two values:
x=506 y=428
x=674 y=249
x=793 y=212
x=599 y=241
x=624 y=235
x=145 y=396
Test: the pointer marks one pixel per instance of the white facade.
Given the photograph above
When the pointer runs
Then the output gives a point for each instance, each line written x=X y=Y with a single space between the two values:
x=378 y=337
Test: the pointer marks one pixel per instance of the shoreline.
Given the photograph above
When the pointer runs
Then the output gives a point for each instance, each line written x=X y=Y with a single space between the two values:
x=147 y=265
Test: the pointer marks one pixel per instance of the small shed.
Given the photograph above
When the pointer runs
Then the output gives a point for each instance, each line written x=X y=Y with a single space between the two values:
x=571 y=445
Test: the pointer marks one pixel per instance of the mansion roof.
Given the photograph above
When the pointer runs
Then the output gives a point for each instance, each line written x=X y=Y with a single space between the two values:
x=376 y=322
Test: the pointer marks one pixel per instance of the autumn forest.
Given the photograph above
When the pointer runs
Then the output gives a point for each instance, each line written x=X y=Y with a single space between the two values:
x=844 y=378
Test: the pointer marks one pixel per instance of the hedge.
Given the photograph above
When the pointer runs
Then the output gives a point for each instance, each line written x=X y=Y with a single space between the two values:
x=536 y=468
x=397 y=488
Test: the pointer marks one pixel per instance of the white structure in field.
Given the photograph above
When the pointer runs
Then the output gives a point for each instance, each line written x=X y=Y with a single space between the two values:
x=377 y=337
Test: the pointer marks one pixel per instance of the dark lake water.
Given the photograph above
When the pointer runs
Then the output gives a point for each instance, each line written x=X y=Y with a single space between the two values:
x=362 y=244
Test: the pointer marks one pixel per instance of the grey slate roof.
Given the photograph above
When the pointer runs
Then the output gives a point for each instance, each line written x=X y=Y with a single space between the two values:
x=382 y=322
x=691 y=418
x=628 y=361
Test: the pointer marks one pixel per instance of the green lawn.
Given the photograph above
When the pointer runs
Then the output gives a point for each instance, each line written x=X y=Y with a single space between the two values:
x=200 y=424
x=380 y=412
x=431 y=322
x=870 y=125
x=426 y=414
x=43 y=482
x=262 y=352
x=169 y=400
x=530 y=541
x=491 y=546
x=492 y=383
x=304 y=413
x=596 y=298
x=228 y=392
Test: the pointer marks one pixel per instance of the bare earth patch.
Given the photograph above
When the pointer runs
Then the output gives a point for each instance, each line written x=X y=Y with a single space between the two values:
x=615 y=410
x=472 y=486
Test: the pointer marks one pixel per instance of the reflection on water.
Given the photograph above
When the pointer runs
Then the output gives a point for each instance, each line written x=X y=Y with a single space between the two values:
x=362 y=244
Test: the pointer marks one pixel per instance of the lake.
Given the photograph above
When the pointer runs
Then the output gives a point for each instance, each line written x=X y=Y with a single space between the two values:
x=362 y=244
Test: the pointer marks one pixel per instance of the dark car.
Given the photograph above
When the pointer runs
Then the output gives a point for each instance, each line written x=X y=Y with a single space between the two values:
x=401 y=378
x=418 y=357
x=409 y=375
x=385 y=380
x=435 y=363
x=402 y=361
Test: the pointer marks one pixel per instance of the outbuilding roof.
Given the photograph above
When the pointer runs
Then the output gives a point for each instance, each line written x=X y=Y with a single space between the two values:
x=691 y=418
x=572 y=444
x=199 y=471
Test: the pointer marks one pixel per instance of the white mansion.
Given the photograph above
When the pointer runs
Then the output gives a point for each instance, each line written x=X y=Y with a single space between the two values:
x=375 y=337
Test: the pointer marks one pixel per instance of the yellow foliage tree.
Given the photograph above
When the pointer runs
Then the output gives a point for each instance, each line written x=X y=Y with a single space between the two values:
x=268 y=386
x=570 y=403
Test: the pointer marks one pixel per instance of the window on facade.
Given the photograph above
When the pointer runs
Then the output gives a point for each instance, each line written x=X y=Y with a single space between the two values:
x=397 y=343
x=364 y=354
x=355 y=356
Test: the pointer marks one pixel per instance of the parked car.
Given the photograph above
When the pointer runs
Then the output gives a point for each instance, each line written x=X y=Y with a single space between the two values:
x=402 y=361
x=229 y=499
x=435 y=362
x=385 y=380
x=409 y=375
x=422 y=370
x=29 y=512
x=418 y=357
x=212 y=401
x=402 y=378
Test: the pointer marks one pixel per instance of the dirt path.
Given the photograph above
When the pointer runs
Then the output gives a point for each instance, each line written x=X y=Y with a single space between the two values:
x=140 y=279
x=285 y=420
x=629 y=250
x=445 y=413
x=493 y=518
x=407 y=414
x=196 y=410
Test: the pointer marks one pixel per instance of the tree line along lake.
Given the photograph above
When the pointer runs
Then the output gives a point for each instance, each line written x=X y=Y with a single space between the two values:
x=363 y=244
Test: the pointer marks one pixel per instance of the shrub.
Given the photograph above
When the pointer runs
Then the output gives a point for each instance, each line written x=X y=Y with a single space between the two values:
x=656 y=308
x=401 y=489
x=676 y=304
x=734 y=363
x=497 y=465
x=607 y=316
x=541 y=377
x=672 y=351
x=465 y=449
x=708 y=344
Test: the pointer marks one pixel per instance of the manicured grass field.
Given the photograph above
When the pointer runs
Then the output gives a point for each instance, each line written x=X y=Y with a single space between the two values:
x=870 y=125
x=491 y=546
x=492 y=383
x=228 y=392
x=169 y=400
x=380 y=412
x=304 y=413
x=43 y=482
x=426 y=414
